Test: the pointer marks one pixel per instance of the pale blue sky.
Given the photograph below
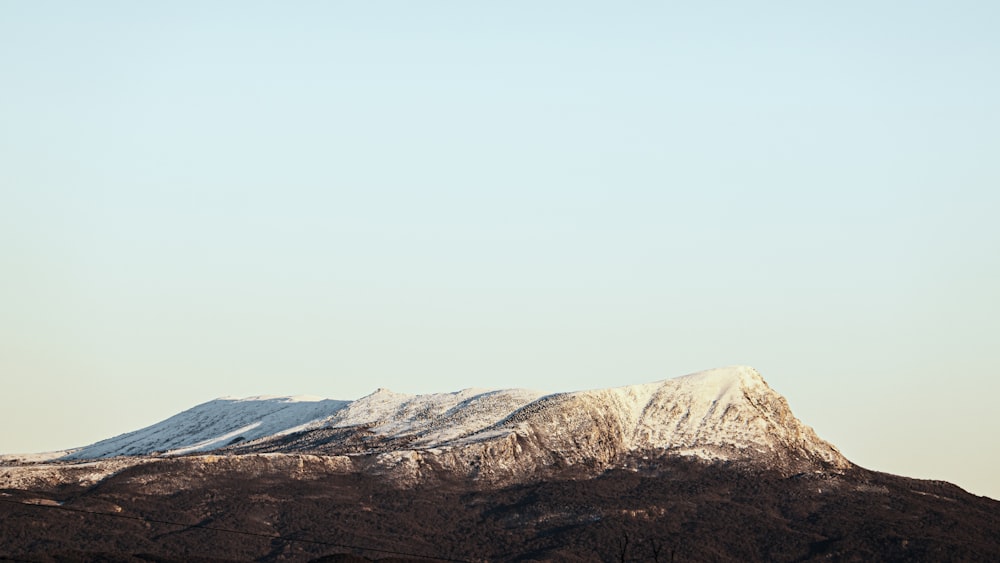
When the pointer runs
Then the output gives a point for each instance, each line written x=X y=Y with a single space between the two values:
x=313 y=197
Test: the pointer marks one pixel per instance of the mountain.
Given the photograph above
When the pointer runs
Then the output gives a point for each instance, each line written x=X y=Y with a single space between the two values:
x=711 y=466
x=726 y=414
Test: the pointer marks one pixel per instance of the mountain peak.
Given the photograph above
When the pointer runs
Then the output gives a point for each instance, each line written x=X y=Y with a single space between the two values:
x=728 y=375
x=727 y=413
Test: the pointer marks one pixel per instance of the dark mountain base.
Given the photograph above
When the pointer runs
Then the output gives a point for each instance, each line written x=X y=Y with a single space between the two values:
x=672 y=510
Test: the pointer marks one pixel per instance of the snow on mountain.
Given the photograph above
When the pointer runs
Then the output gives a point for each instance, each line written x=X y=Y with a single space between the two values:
x=721 y=414
x=431 y=420
x=215 y=424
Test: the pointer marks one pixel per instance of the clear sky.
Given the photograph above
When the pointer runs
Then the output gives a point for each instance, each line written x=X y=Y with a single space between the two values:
x=239 y=198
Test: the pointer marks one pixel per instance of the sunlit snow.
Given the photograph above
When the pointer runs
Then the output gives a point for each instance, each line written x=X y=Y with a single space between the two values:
x=705 y=414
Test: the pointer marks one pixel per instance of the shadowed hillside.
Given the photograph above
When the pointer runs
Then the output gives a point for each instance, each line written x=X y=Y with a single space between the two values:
x=669 y=509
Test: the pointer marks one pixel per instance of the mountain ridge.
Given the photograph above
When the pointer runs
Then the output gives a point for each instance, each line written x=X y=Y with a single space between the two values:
x=725 y=414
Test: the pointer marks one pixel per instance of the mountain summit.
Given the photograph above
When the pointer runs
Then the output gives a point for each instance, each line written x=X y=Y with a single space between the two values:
x=724 y=414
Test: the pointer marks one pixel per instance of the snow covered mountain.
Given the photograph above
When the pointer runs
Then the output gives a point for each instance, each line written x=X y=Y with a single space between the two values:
x=711 y=466
x=728 y=414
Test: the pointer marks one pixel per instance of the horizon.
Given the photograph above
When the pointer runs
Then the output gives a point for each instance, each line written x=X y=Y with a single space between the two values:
x=244 y=199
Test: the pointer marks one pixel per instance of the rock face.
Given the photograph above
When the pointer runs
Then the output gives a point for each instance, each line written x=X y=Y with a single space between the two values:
x=726 y=414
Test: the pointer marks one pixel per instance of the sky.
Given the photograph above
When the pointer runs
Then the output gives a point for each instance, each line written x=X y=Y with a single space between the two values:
x=241 y=198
